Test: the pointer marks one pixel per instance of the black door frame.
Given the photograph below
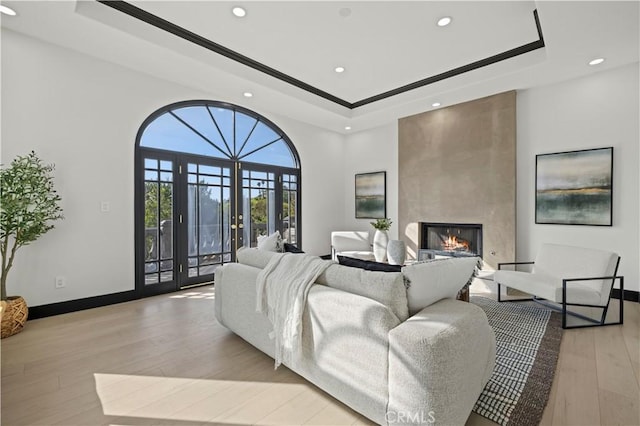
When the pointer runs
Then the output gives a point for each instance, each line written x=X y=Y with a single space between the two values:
x=182 y=231
x=180 y=160
x=180 y=207
x=140 y=229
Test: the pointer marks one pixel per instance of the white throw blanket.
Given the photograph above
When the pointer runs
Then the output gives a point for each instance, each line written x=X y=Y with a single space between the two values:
x=282 y=288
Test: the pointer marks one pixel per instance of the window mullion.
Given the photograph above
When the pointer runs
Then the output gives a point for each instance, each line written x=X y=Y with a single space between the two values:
x=259 y=148
x=248 y=136
x=224 y=140
x=197 y=132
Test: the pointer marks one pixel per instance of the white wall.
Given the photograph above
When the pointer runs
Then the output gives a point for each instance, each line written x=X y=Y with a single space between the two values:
x=322 y=161
x=373 y=150
x=83 y=115
x=597 y=111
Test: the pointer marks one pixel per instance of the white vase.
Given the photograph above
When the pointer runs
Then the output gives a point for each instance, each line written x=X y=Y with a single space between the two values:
x=380 y=241
x=396 y=252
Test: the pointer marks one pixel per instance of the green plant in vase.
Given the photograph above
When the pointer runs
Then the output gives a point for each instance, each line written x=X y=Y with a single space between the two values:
x=383 y=224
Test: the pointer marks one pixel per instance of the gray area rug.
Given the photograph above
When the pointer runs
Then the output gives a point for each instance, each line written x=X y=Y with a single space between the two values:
x=528 y=342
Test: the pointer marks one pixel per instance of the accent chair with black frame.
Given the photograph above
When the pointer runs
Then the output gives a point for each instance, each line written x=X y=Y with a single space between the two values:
x=569 y=276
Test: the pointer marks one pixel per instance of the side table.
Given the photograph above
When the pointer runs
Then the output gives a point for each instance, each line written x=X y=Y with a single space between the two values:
x=463 y=294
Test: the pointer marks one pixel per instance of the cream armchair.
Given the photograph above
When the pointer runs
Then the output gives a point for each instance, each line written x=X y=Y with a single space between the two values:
x=569 y=276
x=351 y=244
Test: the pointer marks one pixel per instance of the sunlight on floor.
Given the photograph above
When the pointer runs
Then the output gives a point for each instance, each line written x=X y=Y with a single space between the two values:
x=482 y=286
x=198 y=400
x=195 y=295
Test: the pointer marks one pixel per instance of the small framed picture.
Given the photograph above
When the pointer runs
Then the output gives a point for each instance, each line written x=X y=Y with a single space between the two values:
x=371 y=195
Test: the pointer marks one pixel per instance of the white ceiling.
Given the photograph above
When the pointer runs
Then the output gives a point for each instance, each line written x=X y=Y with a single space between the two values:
x=383 y=45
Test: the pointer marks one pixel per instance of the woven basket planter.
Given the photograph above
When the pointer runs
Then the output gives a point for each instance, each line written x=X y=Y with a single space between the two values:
x=14 y=316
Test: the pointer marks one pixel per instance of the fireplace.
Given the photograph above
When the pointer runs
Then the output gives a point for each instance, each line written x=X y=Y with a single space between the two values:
x=450 y=240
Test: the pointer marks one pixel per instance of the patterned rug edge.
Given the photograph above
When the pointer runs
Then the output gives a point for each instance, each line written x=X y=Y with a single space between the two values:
x=501 y=402
x=535 y=395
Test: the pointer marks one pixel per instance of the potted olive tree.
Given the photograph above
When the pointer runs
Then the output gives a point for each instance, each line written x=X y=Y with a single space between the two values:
x=28 y=206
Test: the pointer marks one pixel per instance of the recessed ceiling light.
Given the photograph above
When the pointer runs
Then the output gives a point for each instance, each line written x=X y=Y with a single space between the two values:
x=347 y=127
x=436 y=104
x=596 y=61
x=239 y=12
x=339 y=69
x=248 y=94
x=7 y=10
x=444 y=21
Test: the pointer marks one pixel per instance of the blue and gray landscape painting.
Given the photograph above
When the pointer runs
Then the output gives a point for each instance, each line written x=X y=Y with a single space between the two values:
x=574 y=188
x=370 y=195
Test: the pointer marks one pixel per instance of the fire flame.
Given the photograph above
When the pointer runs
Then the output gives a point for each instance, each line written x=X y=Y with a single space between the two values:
x=453 y=243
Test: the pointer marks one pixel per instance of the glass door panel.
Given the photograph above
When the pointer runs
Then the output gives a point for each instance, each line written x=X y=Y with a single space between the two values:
x=258 y=205
x=289 y=208
x=158 y=222
x=208 y=220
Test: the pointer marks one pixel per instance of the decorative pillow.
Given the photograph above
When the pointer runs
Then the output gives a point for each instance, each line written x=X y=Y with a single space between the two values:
x=436 y=280
x=253 y=257
x=271 y=243
x=291 y=248
x=368 y=265
x=386 y=288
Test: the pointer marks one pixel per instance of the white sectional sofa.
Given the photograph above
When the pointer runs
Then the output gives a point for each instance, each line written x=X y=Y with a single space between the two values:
x=360 y=345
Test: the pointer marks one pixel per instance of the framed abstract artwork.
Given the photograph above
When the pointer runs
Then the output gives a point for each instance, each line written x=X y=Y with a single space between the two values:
x=371 y=195
x=575 y=187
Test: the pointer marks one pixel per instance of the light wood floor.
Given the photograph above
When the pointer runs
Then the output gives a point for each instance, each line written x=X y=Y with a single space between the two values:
x=166 y=361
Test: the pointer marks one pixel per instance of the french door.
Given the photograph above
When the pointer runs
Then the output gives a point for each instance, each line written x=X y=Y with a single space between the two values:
x=184 y=220
x=197 y=211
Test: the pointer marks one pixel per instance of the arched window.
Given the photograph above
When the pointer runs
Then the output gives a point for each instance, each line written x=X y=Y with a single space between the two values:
x=219 y=130
x=210 y=178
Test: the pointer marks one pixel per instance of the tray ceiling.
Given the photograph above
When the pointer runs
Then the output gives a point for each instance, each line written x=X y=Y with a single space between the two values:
x=397 y=61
